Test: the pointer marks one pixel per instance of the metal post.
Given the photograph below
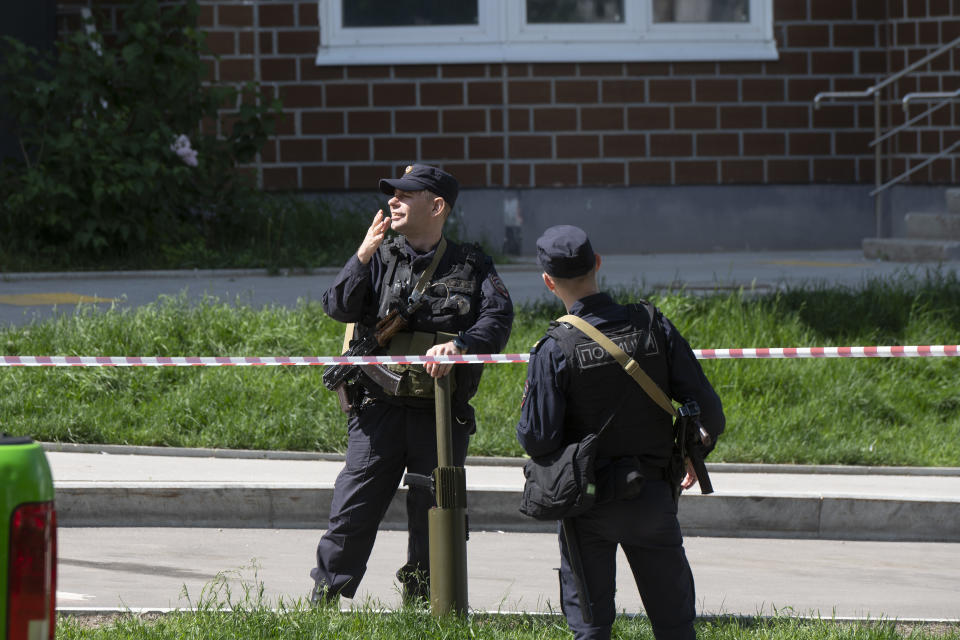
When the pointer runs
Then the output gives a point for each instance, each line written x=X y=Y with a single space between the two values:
x=878 y=165
x=448 y=520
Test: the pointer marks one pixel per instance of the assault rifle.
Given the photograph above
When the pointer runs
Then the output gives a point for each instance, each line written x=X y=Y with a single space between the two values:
x=693 y=441
x=338 y=377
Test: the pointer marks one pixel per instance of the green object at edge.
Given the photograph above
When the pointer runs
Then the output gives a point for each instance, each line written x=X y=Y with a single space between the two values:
x=24 y=478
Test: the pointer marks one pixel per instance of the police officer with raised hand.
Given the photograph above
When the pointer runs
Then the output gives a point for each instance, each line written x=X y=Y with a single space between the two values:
x=573 y=388
x=452 y=302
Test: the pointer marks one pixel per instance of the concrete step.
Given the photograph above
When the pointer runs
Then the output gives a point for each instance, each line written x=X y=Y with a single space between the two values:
x=953 y=200
x=911 y=249
x=933 y=226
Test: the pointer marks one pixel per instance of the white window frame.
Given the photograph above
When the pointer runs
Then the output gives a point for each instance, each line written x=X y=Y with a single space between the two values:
x=503 y=35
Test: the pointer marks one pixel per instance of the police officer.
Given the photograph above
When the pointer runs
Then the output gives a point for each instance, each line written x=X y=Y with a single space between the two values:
x=462 y=307
x=574 y=387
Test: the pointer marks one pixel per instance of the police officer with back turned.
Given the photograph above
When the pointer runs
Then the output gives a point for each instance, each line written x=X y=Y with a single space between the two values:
x=450 y=301
x=574 y=387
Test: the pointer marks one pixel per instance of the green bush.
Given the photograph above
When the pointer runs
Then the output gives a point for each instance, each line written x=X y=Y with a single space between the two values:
x=98 y=180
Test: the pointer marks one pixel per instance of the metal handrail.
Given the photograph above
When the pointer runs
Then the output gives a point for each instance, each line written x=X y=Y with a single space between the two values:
x=875 y=93
x=929 y=95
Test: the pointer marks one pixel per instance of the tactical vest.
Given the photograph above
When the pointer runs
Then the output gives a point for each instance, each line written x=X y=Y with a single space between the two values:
x=599 y=385
x=451 y=303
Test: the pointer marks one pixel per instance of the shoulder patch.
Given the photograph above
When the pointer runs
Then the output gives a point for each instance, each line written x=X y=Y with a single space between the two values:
x=498 y=285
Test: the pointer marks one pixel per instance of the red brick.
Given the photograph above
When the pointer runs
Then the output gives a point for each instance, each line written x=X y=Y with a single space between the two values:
x=441 y=93
x=553 y=69
x=621 y=145
x=764 y=90
x=671 y=144
x=650 y=172
x=928 y=33
x=694 y=68
x=741 y=117
x=303 y=41
x=576 y=91
x=788 y=171
x=939 y=8
x=485 y=147
x=518 y=175
x=578 y=146
x=307 y=14
x=717 y=90
x=519 y=119
x=718 y=144
x=310 y=71
x=417 y=71
x=496 y=175
x=764 y=144
x=555 y=175
x=528 y=92
x=366 y=176
x=368 y=72
x=394 y=94
x=741 y=172
x=696 y=172
x=531 y=146
x=619 y=91
x=268 y=152
x=808 y=35
x=469 y=174
x=809 y=144
x=463 y=70
x=833 y=116
x=286 y=124
x=740 y=68
x=234 y=15
x=347 y=150
x=831 y=9
x=221 y=43
x=645 y=118
x=842 y=170
x=870 y=10
x=267 y=47
x=788 y=116
x=279 y=178
x=832 y=62
x=301 y=150
x=323 y=177
x=804 y=89
x=322 y=122
x=276 y=15
x=694 y=117
x=645 y=69
x=872 y=62
x=603 y=174
x=236 y=70
x=670 y=90
x=347 y=95
x=597 y=69
x=790 y=10
x=368 y=122
x=301 y=95
x=442 y=148
x=464 y=120
x=209 y=72
x=518 y=70
x=854 y=35
x=278 y=69
x=484 y=93
x=205 y=17
x=417 y=121
x=554 y=119
x=601 y=118
x=905 y=33
x=402 y=149
x=792 y=63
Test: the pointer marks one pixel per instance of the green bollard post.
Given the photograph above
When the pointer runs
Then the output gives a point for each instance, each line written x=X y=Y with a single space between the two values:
x=448 y=520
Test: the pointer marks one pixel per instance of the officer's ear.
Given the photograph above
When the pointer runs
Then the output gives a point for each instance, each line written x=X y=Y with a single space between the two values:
x=550 y=284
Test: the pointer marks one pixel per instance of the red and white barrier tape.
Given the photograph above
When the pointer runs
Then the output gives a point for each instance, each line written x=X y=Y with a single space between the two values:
x=922 y=351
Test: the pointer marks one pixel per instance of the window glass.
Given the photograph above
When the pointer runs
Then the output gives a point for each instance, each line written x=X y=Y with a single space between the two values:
x=408 y=13
x=576 y=11
x=701 y=10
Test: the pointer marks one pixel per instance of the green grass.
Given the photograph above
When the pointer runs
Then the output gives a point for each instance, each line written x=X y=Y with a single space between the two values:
x=889 y=411
x=221 y=614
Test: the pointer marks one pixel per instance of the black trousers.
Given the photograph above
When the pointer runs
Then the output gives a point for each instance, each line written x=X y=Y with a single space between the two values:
x=647 y=529
x=383 y=441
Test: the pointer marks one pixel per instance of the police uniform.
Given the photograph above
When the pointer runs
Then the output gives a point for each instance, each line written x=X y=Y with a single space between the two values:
x=574 y=387
x=389 y=432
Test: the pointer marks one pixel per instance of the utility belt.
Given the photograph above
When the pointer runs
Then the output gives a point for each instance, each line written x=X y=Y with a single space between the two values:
x=624 y=477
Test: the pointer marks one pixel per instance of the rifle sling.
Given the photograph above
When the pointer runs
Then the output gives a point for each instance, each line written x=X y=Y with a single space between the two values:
x=628 y=363
x=427 y=275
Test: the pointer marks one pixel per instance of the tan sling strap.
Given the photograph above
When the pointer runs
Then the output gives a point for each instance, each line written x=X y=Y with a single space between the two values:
x=628 y=363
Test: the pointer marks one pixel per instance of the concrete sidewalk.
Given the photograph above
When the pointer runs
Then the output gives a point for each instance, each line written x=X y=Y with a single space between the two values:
x=121 y=486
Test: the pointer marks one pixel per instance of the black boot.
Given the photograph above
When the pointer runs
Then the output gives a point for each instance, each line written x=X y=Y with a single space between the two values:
x=416 y=585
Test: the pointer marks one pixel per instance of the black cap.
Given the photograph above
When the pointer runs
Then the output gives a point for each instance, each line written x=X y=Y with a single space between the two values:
x=417 y=177
x=564 y=251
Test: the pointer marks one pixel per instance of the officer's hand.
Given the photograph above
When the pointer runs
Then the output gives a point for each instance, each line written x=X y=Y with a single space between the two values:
x=374 y=239
x=436 y=369
x=690 y=478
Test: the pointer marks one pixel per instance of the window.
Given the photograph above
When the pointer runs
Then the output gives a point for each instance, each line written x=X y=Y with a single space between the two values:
x=435 y=31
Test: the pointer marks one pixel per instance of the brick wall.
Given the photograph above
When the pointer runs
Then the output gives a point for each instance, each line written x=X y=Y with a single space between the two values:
x=619 y=124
